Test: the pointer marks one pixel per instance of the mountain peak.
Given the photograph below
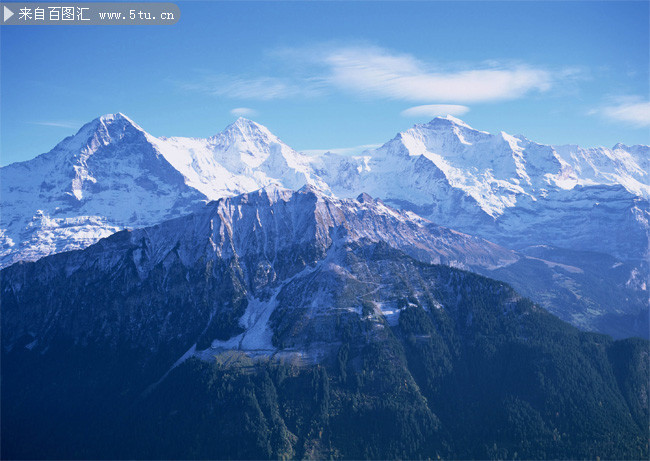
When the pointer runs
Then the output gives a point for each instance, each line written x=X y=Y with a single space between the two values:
x=116 y=117
x=449 y=120
x=243 y=121
x=103 y=130
x=245 y=141
x=246 y=132
x=108 y=123
x=364 y=198
x=245 y=127
x=117 y=120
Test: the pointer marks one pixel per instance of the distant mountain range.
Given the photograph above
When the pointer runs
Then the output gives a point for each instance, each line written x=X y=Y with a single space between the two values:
x=578 y=218
x=506 y=188
x=113 y=175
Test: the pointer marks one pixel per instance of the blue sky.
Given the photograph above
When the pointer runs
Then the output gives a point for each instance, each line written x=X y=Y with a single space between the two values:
x=324 y=75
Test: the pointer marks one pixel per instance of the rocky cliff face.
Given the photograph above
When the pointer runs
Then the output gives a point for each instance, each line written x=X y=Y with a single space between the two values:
x=105 y=178
x=113 y=175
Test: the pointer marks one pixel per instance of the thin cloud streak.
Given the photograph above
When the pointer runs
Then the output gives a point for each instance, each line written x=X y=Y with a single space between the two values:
x=633 y=111
x=244 y=112
x=57 y=124
x=373 y=72
x=256 y=88
x=435 y=110
x=378 y=72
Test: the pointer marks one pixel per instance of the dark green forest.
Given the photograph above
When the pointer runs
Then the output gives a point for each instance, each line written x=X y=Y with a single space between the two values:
x=469 y=370
x=527 y=386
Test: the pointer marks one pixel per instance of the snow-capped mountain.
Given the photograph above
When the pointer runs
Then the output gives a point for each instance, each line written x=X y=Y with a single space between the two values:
x=106 y=177
x=507 y=188
x=113 y=175
x=244 y=157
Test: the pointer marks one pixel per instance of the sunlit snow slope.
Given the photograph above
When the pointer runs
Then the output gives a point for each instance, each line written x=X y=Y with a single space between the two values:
x=113 y=175
x=507 y=188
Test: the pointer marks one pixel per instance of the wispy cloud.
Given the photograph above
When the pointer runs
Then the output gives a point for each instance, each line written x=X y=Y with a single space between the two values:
x=378 y=72
x=257 y=88
x=631 y=110
x=374 y=72
x=435 y=110
x=342 y=150
x=243 y=112
x=57 y=124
